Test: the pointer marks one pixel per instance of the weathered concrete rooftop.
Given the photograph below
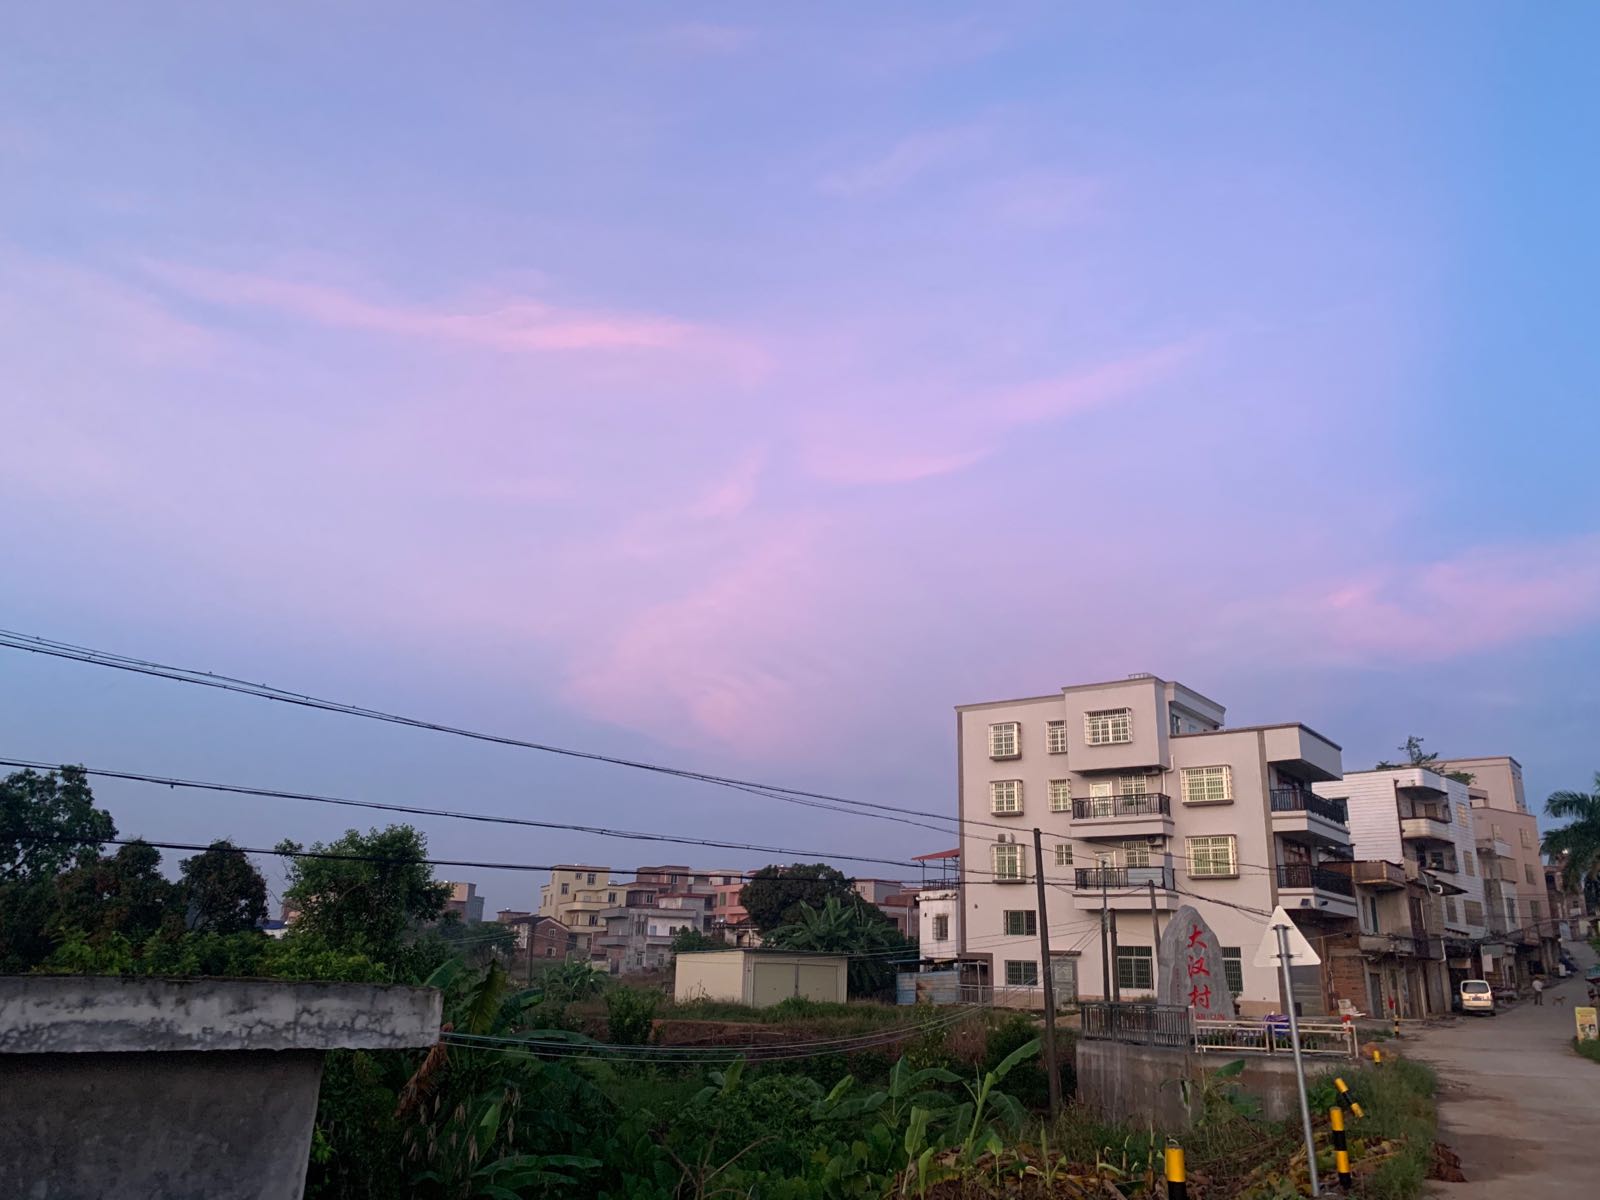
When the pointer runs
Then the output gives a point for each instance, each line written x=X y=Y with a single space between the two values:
x=77 y=1014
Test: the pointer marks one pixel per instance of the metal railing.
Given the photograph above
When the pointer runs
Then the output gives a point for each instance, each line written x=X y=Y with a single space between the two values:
x=1139 y=1024
x=1092 y=879
x=1304 y=875
x=1270 y=1035
x=1294 y=800
x=1145 y=804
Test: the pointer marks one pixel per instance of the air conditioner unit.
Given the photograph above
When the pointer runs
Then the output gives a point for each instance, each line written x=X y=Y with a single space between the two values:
x=1006 y=838
x=1155 y=841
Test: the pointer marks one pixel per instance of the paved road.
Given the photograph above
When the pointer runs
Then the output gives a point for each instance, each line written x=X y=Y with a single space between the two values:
x=1518 y=1105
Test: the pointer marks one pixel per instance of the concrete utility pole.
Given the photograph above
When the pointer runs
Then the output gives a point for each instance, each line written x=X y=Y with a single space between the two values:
x=1155 y=932
x=1105 y=954
x=1116 y=975
x=1051 y=1070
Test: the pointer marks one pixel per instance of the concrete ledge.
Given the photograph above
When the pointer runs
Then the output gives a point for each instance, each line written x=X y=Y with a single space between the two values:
x=79 y=1014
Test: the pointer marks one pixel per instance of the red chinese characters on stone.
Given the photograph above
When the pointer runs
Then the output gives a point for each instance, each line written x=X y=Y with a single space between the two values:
x=1199 y=995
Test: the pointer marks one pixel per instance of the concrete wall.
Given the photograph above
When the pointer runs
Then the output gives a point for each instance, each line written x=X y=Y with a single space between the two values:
x=193 y=1126
x=195 y=1088
x=1141 y=1084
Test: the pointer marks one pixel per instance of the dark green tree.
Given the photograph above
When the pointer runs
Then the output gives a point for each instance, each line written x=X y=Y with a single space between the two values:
x=851 y=927
x=1576 y=845
x=49 y=824
x=687 y=939
x=222 y=890
x=125 y=895
x=774 y=894
x=373 y=890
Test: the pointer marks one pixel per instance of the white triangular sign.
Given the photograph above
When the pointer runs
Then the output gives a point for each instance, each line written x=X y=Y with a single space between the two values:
x=1300 y=952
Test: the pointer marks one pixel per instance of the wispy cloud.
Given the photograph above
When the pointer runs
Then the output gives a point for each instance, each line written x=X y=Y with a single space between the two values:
x=1428 y=610
x=511 y=324
x=908 y=159
x=707 y=38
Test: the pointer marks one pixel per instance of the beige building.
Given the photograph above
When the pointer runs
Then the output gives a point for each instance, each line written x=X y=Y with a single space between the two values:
x=759 y=977
x=1146 y=801
x=1508 y=851
x=576 y=896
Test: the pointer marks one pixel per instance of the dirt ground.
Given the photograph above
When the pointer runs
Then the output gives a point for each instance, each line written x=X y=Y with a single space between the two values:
x=1517 y=1104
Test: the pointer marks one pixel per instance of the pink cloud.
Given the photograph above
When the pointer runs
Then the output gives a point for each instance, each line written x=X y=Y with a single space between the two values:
x=1428 y=611
x=735 y=492
x=514 y=324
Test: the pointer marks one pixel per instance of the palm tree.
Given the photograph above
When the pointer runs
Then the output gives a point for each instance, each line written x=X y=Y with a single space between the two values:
x=1576 y=845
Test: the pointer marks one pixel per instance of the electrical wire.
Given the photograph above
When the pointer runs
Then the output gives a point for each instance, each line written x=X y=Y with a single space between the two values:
x=34 y=644
x=416 y=810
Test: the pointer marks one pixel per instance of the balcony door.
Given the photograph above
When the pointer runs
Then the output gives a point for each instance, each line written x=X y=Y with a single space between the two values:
x=1064 y=978
x=1100 y=798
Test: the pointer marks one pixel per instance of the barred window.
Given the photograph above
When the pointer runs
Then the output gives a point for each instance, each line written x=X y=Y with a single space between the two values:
x=1233 y=968
x=1063 y=854
x=1207 y=785
x=1022 y=974
x=1005 y=797
x=1055 y=737
x=1009 y=862
x=1135 y=967
x=1021 y=922
x=1005 y=740
x=1108 y=726
x=1060 y=796
x=1213 y=857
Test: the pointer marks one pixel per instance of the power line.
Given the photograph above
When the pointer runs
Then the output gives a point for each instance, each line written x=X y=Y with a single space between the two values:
x=33 y=644
x=414 y=810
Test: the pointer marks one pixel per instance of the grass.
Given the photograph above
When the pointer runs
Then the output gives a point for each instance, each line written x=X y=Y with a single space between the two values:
x=866 y=1014
x=1589 y=1048
x=1398 y=1099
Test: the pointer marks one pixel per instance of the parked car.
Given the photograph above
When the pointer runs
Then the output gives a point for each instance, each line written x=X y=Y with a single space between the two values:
x=1477 y=996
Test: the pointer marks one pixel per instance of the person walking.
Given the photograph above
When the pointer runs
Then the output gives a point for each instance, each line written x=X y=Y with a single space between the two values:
x=1538 y=992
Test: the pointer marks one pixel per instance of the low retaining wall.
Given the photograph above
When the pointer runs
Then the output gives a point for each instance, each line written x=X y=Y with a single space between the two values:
x=1142 y=1085
x=203 y=1089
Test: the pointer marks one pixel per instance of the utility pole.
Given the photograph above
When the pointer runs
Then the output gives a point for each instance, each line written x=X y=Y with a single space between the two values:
x=1155 y=931
x=1052 y=1071
x=1105 y=954
x=1116 y=979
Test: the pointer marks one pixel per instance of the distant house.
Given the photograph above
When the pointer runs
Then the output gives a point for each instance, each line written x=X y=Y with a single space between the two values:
x=465 y=902
x=539 y=937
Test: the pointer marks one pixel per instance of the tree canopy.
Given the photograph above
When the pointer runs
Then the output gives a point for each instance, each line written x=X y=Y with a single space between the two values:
x=1576 y=845
x=1427 y=760
x=375 y=887
x=223 y=891
x=851 y=927
x=774 y=894
x=49 y=824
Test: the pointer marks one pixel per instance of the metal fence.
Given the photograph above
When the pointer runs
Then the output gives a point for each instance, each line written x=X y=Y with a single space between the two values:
x=1270 y=1035
x=1140 y=1024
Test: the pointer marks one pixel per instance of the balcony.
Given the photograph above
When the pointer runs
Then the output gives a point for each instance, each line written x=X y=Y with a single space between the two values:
x=1498 y=847
x=1378 y=874
x=1426 y=829
x=1125 y=887
x=1402 y=944
x=1444 y=864
x=1304 y=815
x=1145 y=815
x=1305 y=877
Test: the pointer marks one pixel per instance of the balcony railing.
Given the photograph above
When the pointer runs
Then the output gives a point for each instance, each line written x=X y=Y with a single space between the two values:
x=1287 y=800
x=1092 y=879
x=1378 y=872
x=1304 y=875
x=1145 y=804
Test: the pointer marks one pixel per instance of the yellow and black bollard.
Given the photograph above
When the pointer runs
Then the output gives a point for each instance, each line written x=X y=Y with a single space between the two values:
x=1377 y=1057
x=1397 y=1022
x=1346 y=1098
x=1341 y=1148
x=1177 y=1187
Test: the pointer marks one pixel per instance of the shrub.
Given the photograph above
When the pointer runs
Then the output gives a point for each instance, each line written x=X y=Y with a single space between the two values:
x=630 y=1016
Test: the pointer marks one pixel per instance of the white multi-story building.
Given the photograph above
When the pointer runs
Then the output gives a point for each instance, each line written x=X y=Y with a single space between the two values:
x=1425 y=820
x=1145 y=802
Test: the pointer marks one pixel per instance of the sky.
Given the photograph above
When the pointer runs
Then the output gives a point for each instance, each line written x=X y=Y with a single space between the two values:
x=743 y=387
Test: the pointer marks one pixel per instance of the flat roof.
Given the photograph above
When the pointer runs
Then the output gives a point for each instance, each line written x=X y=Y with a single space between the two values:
x=773 y=950
x=1138 y=677
x=1262 y=729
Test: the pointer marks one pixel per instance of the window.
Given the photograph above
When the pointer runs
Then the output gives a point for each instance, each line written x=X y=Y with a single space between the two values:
x=1060 y=796
x=1450 y=910
x=593 y=919
x=1527 y=871
x=591 y=876
x=1136 y=853
x=563 y=889
x=1471 y=860
x=1063 y=854
x=941 y=928
x=1005 y=740
x=1055 y=737
x=1213 y=857
x=1021 y=923
x=1107 y=727
x=1511 y=911
x=1207 y=785
x=611 y=897
x=1005 y=797
x=1233 y=968
x=1022 y=974
x=1535 y=910
x=1174 y=723
x=1134 y=785
x=1009 y=862
x=1527 y=838
x=1135 y=967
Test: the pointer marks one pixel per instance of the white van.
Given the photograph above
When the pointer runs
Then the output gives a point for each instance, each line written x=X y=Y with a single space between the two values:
x=1477 y=996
